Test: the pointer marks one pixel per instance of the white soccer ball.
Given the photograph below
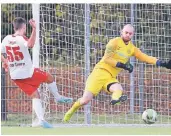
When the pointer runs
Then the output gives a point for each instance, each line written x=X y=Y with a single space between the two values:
x=149 y=116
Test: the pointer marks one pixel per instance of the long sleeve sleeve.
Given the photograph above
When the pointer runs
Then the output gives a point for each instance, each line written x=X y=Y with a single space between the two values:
x=144 y=57
x=109 y=52
x=2 y=46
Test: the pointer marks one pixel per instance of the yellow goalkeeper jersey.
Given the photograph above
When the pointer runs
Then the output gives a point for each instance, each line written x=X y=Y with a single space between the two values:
x=117 y=51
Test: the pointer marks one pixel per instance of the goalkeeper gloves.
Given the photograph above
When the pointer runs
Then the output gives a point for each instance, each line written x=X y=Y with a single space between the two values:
x=127 y=66
x=166 y=64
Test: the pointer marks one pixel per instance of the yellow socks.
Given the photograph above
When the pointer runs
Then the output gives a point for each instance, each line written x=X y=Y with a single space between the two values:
x=116 y=94
x=73 y=109
x=76 y=106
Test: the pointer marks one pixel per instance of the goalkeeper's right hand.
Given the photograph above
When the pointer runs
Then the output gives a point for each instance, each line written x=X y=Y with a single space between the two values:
x=127 y=66
x=166 y=64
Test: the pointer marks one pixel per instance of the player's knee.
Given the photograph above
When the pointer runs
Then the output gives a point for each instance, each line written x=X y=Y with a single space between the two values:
x=50 y=78
x=115 y=86
x=35 y=95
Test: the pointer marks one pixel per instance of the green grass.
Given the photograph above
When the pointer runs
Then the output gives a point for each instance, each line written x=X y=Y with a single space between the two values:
x=78 y=118
x=120 y=119
x=87 y=131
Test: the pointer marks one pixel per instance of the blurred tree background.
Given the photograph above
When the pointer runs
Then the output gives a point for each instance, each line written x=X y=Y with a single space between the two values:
x=62 y=28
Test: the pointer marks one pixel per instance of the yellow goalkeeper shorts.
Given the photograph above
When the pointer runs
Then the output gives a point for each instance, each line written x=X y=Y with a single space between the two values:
x=98 y=80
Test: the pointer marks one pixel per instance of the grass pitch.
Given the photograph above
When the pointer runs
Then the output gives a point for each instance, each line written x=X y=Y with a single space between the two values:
x=87 y=131
x=118 y=125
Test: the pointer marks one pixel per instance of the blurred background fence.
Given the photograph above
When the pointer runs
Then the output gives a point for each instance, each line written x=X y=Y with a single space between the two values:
x=63 y=52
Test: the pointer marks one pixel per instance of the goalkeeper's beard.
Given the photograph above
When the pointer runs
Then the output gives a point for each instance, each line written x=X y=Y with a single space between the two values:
x=126 y=40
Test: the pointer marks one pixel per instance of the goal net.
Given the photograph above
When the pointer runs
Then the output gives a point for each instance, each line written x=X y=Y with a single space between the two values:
x=72 y=40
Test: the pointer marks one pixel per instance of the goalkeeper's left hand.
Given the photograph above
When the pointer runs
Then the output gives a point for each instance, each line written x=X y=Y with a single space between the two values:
x=166 y=64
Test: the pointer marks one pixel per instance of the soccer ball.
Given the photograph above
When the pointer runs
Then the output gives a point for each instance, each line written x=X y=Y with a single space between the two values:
x=149 y=116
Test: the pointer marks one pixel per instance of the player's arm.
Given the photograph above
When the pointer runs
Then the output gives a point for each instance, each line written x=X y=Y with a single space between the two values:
x=151 y=60
x=108 y=56
x=3 y=59
x=144 y=57
x=4 y=62
x=32 y=39
x=109 y=52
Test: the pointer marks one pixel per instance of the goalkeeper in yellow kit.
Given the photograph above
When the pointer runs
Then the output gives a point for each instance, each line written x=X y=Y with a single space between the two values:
x=103 y=77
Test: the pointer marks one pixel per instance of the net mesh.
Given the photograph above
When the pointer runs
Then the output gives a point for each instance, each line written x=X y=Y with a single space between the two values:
x=62 y=53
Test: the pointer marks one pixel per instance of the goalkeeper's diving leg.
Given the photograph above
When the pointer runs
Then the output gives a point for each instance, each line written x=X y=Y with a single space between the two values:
x=87 y=97
x=117 y=96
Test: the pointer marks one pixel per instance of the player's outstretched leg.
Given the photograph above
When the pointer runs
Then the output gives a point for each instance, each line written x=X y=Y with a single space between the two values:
x=37 y=107
x=45 y=124
x=117 y=96
x=87 y=97
x=71 y=111
x=120 y=100
x=54 y=90
x=64 y=99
